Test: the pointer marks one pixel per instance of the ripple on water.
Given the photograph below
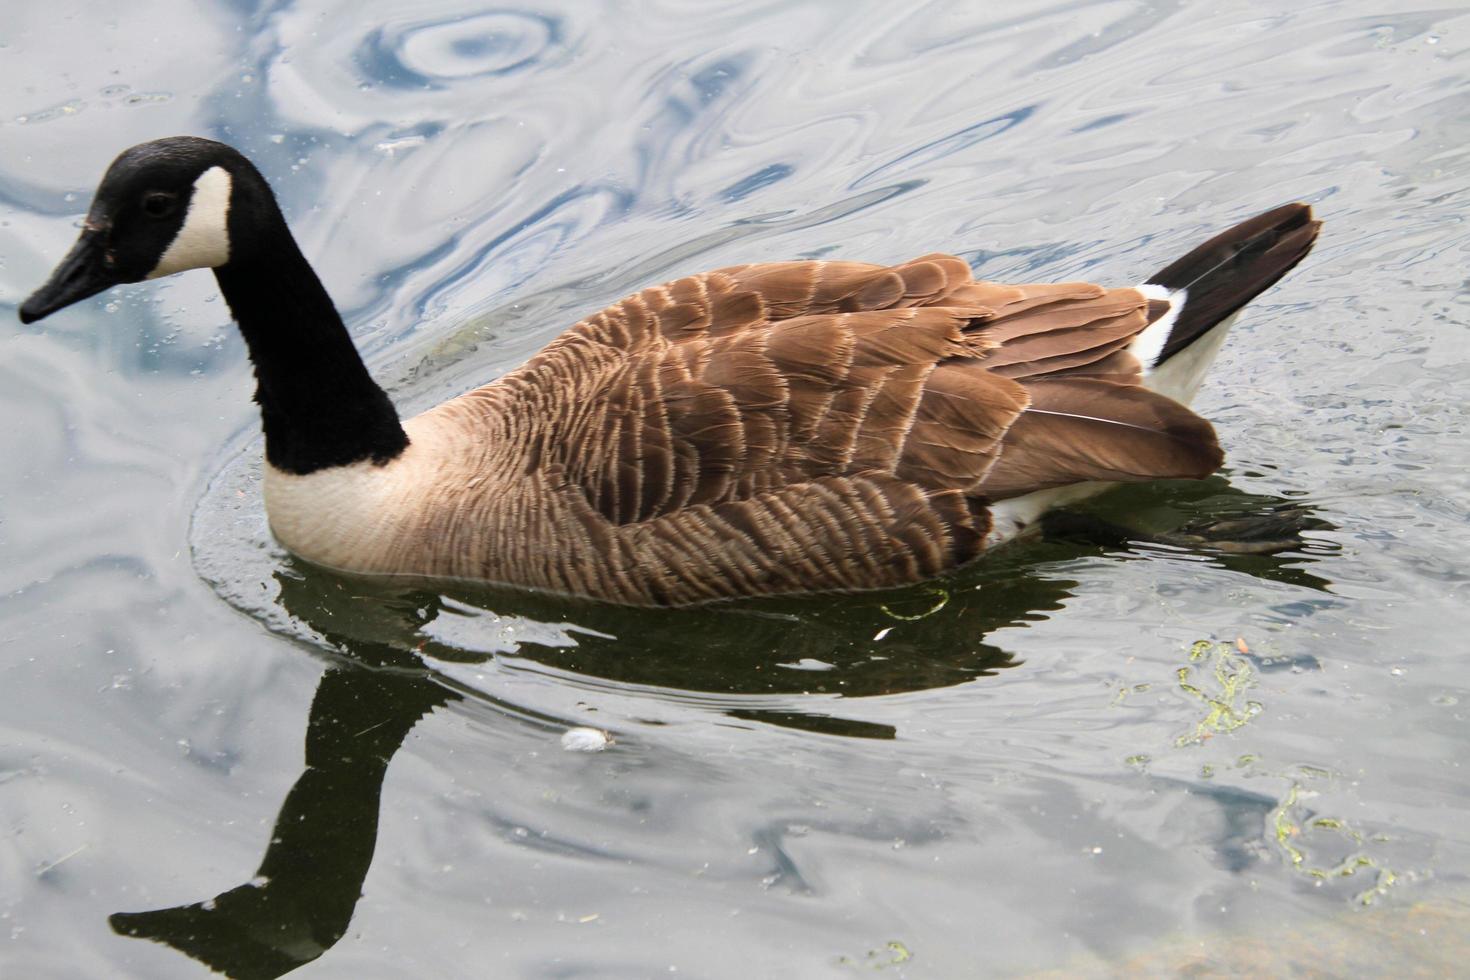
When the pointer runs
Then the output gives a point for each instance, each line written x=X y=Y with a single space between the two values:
x=443 y=52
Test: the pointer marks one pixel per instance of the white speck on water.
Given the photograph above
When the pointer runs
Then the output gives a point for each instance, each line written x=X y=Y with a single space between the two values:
x=391 y=146
x=585 y=740
x=807 y=663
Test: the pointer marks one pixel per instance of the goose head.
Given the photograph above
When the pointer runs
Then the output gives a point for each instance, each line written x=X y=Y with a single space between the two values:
x=162 y=207
x=188 y=203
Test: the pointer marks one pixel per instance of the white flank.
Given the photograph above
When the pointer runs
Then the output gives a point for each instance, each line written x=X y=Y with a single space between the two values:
x=1017 y=516
x=1180 y=376
x=204 y=240
x=1148 y=345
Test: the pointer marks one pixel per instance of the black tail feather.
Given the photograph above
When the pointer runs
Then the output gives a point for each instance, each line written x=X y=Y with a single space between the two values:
x=1234 y=267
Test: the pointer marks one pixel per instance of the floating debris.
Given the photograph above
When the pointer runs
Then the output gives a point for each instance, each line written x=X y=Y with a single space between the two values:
x=393 y=145
x=50 y=866
x=1126 y=690
x=808 y=663
x=54 y=112
x=585 y=740
x=892 y=953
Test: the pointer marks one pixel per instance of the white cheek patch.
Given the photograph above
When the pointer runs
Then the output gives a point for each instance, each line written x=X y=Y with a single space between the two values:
x=204 y=240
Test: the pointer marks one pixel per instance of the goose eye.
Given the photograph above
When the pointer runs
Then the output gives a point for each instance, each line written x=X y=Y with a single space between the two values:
x=159 y=204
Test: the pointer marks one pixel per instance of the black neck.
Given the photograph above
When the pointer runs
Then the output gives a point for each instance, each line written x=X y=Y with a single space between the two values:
x=319 y=407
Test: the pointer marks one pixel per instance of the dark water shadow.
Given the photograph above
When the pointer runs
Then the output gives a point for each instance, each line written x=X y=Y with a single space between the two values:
x=301 y=898
x=381 y=646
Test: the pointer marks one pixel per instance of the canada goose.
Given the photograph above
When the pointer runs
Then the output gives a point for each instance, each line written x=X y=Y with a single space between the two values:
x=761 y=429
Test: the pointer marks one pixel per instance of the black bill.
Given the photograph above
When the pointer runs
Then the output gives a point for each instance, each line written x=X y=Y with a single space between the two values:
x=83 y=273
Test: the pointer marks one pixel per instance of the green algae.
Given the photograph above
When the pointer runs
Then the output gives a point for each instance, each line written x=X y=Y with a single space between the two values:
x=1217 y=677
x=1293 y=829
x=941 y=597
x=891 y=953
x=1128 y=689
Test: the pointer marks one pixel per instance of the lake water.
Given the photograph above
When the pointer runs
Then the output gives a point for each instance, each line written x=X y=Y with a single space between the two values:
x=1137 y=757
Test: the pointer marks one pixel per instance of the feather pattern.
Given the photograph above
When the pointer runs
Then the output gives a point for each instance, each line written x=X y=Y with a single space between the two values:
x=1077 y=430
x=761 y=429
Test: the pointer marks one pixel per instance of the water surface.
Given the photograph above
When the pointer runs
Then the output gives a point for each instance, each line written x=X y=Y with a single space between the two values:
x=1077 y=756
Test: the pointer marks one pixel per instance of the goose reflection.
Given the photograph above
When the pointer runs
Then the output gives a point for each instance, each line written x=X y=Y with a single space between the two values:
x=380 y=680
x=301 y=898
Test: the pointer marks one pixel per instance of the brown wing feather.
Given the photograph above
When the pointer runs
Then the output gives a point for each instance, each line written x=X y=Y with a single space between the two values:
x=1080 y=429
x=836 y=424
x=693 y=411
x=1080 y=324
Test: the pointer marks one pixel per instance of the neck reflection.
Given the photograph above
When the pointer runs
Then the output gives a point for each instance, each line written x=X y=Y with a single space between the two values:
x=302 y=897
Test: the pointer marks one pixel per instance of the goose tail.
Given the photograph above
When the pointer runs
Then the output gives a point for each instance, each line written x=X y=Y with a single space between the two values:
x=1203 y=290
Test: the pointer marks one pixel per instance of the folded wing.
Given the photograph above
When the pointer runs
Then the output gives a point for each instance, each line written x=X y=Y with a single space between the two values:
x=756 y=400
